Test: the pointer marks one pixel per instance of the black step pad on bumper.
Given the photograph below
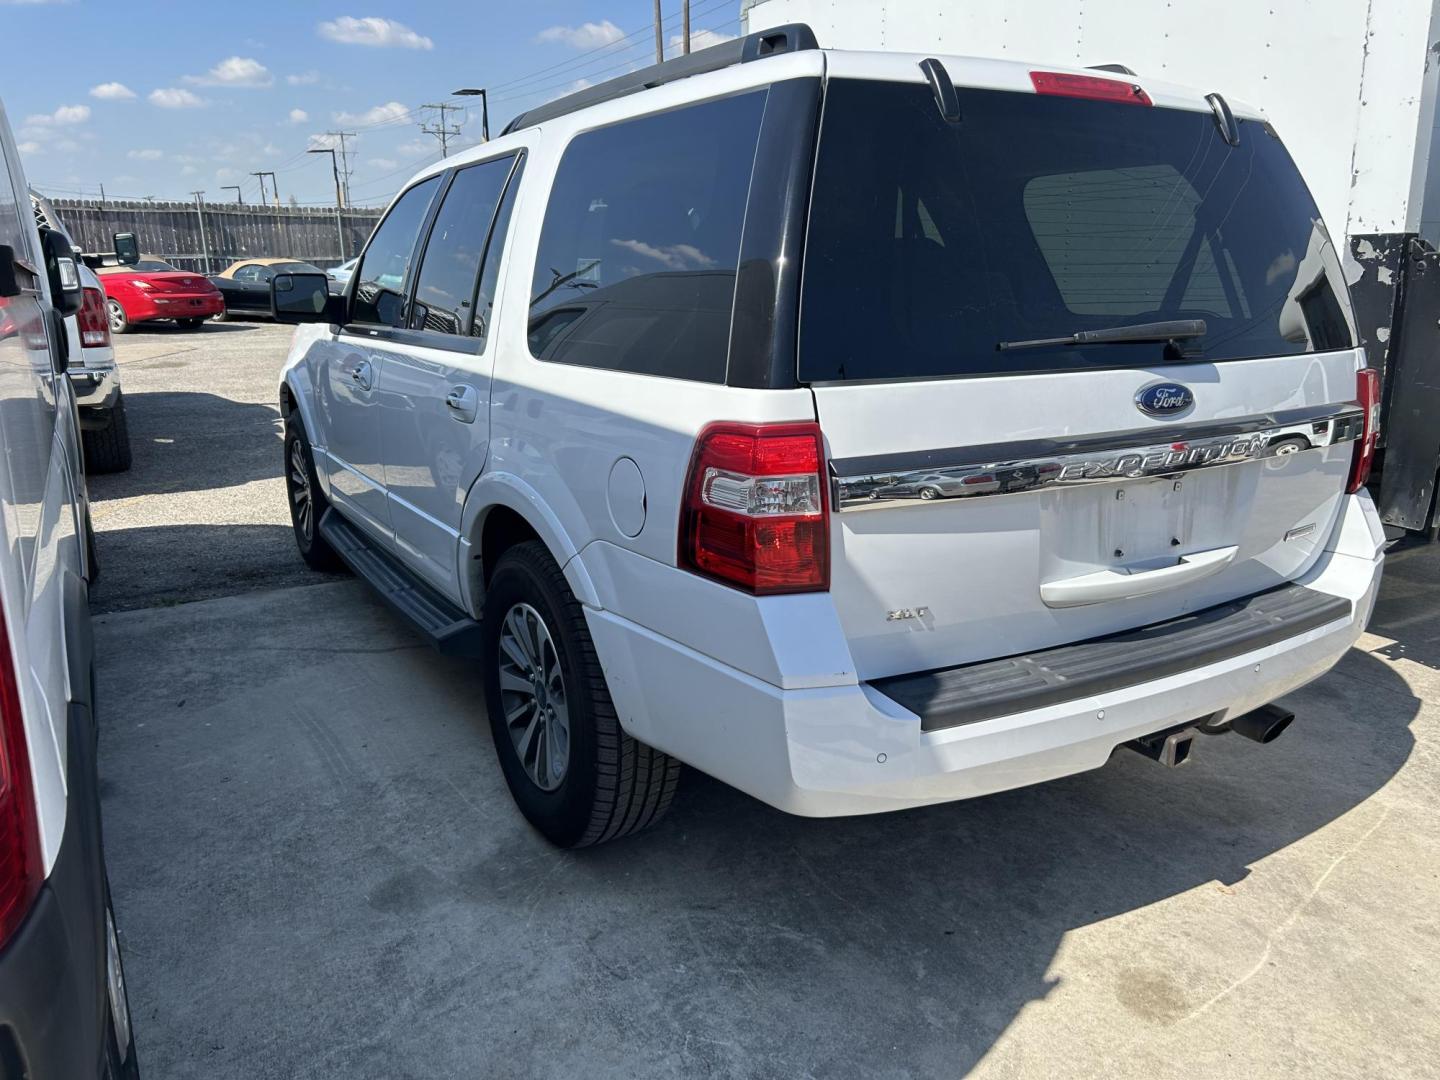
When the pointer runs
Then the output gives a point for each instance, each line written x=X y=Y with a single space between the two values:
x=970 y=693
x=449 y=629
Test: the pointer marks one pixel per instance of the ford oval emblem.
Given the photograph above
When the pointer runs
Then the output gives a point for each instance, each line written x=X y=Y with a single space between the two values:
x=1164 y=399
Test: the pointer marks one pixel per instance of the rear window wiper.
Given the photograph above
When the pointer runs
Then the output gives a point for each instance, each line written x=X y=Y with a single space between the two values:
x=1135 y=334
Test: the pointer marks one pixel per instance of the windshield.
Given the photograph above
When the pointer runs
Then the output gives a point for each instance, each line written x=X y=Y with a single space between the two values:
x=1039 y=217
x=144 y=266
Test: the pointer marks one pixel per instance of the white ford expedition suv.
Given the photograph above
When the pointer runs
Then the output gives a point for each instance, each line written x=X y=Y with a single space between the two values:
x=865 y=430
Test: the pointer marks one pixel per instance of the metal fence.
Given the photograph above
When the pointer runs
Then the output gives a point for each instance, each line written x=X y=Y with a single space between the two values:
x=189 y=236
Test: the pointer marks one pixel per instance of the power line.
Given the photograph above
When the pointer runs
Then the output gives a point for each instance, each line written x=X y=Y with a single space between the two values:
x=443 y=131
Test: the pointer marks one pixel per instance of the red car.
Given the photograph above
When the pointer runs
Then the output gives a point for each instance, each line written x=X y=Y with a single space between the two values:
x=153 y=289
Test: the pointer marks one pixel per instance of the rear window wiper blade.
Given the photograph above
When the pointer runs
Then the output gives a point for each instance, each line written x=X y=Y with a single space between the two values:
x=1135 y=334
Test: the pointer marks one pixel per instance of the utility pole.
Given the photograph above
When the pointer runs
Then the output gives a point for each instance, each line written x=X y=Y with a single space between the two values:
x=345 y=158
x=274 y=185
x=204 y=240
x=472 y=91
x=339 y=198
x=685 y=27
x=261 y=177
x=239 y=198
x=442 y=131
x=659 y=36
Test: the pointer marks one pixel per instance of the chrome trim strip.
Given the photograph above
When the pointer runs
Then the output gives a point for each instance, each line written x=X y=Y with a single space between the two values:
x=1009 y=469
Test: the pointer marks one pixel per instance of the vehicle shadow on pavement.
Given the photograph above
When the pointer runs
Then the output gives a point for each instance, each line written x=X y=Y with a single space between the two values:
x=162 y=565
x=1409 y=614
x=188 y=441
x=167 y=329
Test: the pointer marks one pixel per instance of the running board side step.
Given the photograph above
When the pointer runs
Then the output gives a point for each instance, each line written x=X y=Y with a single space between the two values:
x=449 y=629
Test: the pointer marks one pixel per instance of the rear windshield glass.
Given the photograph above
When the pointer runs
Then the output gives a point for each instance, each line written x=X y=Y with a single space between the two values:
x=931 y=243
x=144 y=266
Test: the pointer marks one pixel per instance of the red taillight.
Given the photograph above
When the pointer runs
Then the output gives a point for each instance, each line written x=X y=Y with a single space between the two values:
x=20 y=870
x=755 y=512
x=94 y=325
x=1367 y=393
x=1060 y=84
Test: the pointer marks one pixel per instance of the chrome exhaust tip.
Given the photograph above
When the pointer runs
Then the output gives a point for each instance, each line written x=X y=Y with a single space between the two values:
x=1170 y=748
x=1263 y=725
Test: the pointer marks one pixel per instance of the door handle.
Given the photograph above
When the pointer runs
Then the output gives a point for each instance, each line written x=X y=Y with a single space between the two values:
x=461 y=401
x=360 y=374
x=1127 y=585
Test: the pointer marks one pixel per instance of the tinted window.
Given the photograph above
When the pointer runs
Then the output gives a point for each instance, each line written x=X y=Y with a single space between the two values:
x=637 y=256
x=144 y=266
x=445 y=289
x=1036 y=217
x=385 y=268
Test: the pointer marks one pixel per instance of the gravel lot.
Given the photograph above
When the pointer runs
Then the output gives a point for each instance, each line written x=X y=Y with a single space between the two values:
x=318 y=871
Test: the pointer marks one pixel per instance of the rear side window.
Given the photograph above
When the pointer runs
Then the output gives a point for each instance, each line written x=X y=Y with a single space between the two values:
x=1036 y=217
x=638 y=252
x=384 y=271
x=445 y=290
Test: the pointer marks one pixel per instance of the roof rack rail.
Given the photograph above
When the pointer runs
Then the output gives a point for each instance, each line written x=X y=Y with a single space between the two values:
x=1119 y=69
x=792 y=37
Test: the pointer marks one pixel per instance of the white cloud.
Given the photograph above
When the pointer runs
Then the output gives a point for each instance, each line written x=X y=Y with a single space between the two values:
x=381 y=163
x=112 y=91
x=235 y=71
x=226 y=173
x=307 y=78
x=175 y=98
x=700 y=39
x=390 y=113
x=145 y=155
x=381 y=33
x=189 y=170
x=65 y=114
x=585 y=36
x=323 y=141
x=298 y=116
x=414 y=148
x=30 y=148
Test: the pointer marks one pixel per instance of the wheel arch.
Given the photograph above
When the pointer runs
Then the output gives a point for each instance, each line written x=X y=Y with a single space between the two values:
x=502 y=510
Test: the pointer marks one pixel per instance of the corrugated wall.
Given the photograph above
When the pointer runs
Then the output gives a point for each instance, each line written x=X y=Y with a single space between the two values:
x=172 y=231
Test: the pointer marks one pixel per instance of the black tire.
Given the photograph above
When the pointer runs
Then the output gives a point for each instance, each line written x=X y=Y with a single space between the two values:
x=107 y=449
x=613 y=785
x=121 y=1062
x=190 y=324
x=119 y=321
x=300 y=475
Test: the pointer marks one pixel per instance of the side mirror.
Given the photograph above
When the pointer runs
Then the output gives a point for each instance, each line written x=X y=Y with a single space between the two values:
x=127 y=249
x=9 y=283
x=63 y=271
x=304 y=298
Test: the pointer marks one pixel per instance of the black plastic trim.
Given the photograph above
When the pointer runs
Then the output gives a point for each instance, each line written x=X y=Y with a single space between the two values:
x=765 y=322
x=943 y=87
x=449 y=629
x=971 y=693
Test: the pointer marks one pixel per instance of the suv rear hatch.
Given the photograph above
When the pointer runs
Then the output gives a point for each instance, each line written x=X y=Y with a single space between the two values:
x=993 y=495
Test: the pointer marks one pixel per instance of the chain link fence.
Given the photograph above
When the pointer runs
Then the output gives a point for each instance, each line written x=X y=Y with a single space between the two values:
x=206 y=238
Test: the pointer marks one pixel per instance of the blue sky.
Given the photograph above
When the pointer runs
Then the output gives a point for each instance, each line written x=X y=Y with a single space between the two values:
x=161 y=97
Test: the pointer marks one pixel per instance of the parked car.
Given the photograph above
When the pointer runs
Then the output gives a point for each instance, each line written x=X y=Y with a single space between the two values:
x=63 y=1006
x=583 y=416
x=340 y=275
x=94 y=375
x=152 y=290
x=245 y=285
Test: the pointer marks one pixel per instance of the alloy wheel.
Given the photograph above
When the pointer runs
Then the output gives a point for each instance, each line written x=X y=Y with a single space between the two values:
x=116 y=315
x=301 y=497
x=532 y=695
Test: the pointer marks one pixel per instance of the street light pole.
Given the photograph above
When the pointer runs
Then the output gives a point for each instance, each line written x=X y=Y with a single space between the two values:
x=478 y=91
x=204 y=241
x=239 y=198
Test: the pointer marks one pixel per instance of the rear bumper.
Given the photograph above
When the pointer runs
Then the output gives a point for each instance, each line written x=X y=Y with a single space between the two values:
x=53 y=995
x=174 y=306
x=94 y=389
x=851 y=749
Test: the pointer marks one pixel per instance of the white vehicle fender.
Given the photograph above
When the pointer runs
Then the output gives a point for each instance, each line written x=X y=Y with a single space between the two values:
x=493 y=489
